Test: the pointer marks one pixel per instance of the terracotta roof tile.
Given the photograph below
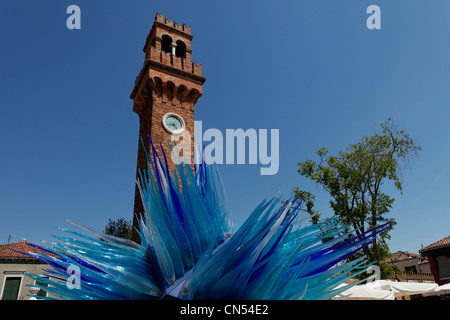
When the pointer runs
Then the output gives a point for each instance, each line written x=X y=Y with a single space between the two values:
x=438 y=244
x=403 y=255
x=9 y=251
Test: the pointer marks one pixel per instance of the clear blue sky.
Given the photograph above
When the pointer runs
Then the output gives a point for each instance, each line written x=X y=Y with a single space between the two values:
x=311 y=69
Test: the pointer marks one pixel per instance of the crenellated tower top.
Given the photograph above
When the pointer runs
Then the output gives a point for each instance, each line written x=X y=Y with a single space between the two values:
x=168 y=50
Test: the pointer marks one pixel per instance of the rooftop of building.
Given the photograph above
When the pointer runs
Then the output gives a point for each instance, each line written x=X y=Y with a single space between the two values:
x=20 y=250
x=437 y=245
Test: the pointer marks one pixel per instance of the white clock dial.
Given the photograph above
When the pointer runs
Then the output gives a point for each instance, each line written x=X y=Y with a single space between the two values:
x=173 y=123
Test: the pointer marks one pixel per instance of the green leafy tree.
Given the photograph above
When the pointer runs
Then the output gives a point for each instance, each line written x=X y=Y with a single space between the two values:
x=119 y=228
x=307 y=204
x=355 y=179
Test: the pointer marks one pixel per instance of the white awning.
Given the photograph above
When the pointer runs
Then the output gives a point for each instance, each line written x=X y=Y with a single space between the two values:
x=387 y=290
x=362 y=292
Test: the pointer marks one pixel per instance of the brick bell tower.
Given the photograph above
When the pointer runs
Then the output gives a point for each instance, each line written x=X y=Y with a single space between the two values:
x=165 y=93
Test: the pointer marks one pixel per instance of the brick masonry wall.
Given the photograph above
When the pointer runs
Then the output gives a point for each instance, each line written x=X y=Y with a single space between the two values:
x=151 y=122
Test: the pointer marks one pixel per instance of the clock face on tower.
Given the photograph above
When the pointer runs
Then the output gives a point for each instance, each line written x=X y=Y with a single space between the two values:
x=173 y=123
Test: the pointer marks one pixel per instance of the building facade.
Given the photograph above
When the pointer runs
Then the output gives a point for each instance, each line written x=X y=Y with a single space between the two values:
x=438 y=254
x=413 y=267
x=411 y=263
x=14 y=264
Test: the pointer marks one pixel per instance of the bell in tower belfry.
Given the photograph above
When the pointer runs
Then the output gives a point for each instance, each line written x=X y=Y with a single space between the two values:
x=165 y=93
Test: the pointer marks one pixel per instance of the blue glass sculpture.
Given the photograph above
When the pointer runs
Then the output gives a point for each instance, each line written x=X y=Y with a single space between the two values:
x=189 y=250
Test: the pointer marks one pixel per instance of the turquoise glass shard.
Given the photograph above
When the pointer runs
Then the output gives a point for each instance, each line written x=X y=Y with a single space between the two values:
x=189 y=248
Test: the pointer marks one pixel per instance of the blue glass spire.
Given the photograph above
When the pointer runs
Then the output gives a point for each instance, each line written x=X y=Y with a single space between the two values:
x=189 y=248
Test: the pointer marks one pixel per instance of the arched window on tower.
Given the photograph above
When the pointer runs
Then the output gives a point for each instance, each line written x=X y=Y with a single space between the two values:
x=181 y=49
x=165 y=43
